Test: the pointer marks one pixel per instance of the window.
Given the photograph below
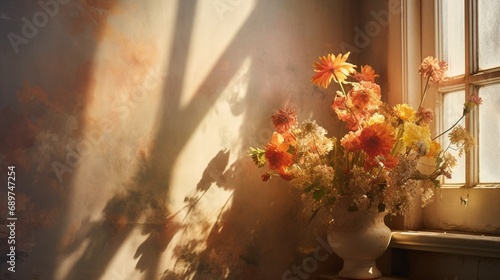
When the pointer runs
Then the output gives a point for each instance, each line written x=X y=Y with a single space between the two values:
x=464 y=34
x=469 y=41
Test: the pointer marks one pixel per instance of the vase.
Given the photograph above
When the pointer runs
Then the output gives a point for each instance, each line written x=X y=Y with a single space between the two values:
x=359 y=238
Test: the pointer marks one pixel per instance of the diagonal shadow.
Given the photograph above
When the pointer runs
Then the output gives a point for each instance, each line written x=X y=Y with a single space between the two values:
x=230 y=246
x=156 y=176
x=142 y=205
x=241 y=244
x=45 y=82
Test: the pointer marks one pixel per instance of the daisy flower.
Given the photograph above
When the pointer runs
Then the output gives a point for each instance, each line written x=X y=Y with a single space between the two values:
x=332 y=67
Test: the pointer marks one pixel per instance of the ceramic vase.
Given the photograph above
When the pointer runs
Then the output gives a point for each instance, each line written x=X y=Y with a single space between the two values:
x=359 y=238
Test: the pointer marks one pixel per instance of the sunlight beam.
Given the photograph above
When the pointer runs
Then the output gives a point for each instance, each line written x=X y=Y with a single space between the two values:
x=216 y=25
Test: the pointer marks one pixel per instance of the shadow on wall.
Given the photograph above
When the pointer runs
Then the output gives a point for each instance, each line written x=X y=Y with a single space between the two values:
x=254 y=233
x=39 y=124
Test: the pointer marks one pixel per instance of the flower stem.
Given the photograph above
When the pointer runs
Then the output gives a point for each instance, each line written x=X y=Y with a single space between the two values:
x=340 y=84
x=346 y=96
x=451 y=127
x=422 y=97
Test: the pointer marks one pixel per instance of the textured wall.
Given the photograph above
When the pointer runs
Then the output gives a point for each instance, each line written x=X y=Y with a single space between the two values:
x=128 y=124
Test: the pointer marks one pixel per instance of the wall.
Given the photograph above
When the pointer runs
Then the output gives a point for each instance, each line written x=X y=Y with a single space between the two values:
x=425 y=265
x=128 y=123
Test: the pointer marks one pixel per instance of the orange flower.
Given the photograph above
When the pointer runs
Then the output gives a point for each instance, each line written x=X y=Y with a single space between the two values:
x=365 y=95
x=367 y=74
x=424 y=116
x=434 y=149
x=330 y=67
x=351 y=142
x=390 y=161
x=387 y=162
x=341 y=108
x=284 y=119
x=359 y=104
x=377 y=139
x=276 y=154
x=433 y=68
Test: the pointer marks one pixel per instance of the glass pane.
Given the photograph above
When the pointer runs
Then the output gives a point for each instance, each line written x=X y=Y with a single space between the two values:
x=453 y=104
x=489 y=37
x=489 y=133
x=453 y=36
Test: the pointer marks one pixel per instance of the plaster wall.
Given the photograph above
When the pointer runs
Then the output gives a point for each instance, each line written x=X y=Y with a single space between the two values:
x=128 y=124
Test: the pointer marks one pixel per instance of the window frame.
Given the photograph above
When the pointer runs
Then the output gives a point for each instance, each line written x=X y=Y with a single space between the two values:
x=448 y=212
x=412 y=38
x=471 y=81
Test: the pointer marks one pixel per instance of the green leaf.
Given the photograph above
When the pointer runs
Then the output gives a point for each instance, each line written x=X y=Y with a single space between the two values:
x=318 y=194
x=381 y=207
x=309 y=189
x=258 y=156
x=352 y=208
x=439 y=161
x=436 y=183
x=331 y=201
x=313 y=216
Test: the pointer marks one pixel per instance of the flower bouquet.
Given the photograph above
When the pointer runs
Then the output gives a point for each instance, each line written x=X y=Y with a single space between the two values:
x=384 y=155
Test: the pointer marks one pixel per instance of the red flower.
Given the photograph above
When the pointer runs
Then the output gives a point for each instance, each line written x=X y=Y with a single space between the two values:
x=377 y=139
x=277 y=155
x=424 y=116
x=351 y=142
x=284 y=119
x=278 y=160
x=266 y=176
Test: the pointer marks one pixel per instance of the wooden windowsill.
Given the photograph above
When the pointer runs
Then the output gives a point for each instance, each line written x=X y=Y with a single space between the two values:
x=337 y=278
x=444 y=242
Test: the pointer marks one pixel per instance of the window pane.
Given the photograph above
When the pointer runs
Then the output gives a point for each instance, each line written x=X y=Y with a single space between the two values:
x=489 y=37
x=453 y=36
x=453 y=104
x=489 y=133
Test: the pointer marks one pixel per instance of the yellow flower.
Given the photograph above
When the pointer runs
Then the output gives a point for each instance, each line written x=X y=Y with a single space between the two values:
x=375 y=118
x=434 y=149
x=330 y=67
x=462 y=139
x=405 y=112
x=414 y=136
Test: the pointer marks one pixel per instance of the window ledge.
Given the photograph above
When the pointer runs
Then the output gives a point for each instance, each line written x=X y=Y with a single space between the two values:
x=323 y=277
x=443 y=242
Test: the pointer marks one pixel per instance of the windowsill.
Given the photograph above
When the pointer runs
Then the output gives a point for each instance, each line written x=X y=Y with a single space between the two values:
x=338 y=278
x=444 y=242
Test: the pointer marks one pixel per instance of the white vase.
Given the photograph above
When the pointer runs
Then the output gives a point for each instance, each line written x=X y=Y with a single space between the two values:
x=359 y=238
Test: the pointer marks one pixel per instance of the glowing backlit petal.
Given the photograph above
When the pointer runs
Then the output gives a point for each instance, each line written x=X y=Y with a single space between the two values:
x=332 y=67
